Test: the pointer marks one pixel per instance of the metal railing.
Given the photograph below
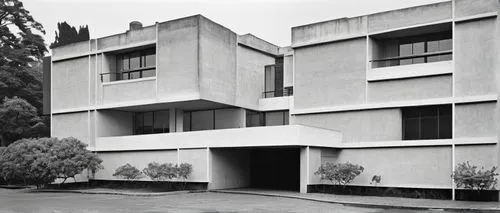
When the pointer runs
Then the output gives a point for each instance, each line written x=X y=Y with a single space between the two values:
x=129 y=74
x=287 y=91
x=427 y=57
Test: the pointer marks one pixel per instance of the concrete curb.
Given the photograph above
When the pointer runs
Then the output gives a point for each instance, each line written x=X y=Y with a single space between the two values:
x=145 y=194
x=359 y=204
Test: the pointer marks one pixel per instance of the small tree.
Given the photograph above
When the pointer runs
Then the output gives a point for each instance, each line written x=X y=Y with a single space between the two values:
x=339 y=173
x=128 y=172
x=469 y=177
x=158 y=172
x=184 y=171
x=74 y=158
x=29 y=160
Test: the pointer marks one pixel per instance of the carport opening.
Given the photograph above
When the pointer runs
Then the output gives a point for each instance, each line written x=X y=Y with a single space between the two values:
x=275 y=168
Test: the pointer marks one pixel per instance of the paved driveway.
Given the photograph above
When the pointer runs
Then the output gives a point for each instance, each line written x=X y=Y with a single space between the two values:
x=19 y=201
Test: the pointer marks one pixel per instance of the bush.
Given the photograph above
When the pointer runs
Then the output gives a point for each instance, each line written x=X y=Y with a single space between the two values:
x=184 y=171
x=468 y=177
x=128 y=172
x=42 y=161
x=339 y=173
x=158 y=172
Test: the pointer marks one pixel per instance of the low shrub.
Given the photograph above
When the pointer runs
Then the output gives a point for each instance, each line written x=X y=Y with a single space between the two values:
x=128 y=172
x=339 y=173
x=158 y=172
x=469 y=177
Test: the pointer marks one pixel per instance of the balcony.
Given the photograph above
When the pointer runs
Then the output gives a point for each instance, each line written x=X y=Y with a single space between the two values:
x=290 y=135
x=128 y=75
x=287 y=91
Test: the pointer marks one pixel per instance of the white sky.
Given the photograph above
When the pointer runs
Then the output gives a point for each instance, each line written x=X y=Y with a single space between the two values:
x=270 y=20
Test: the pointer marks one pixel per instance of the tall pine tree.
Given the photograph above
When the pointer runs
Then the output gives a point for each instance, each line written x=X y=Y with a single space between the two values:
x=68 y=34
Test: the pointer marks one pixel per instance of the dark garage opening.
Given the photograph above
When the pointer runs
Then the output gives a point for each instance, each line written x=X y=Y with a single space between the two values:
x=275 y=168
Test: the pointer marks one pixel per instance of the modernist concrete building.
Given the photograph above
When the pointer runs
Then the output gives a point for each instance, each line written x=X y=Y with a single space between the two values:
x=408 y=94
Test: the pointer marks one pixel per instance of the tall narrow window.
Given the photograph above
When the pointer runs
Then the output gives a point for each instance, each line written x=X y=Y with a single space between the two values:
x=270 y=81
x=429 y=122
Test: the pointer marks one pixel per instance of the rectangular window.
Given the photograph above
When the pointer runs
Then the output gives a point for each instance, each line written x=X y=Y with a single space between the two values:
x=428 y=122
x=151 y=122
x=276 y=118
x=426 y=48
x=273 y=82
x=133 y=65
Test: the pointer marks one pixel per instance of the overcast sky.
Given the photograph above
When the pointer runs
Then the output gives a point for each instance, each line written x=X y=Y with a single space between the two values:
x=270 y=20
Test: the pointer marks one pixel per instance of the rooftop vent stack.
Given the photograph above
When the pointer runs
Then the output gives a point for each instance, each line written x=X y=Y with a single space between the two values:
x=135 y=25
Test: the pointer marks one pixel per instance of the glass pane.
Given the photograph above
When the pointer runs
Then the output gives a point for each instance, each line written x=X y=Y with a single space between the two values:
x=405 y=62
x=125 y=76
x=445 y=123
x=274 y=118
x=162 y=122
x=446 y=57
x=432 y=46
x=405 y=49
x=186 y=122
x=150 y=60
x=135 y=60
x=270 y=80
x=138 y=123
x=419 y=60
x=148 y=73
x=410 y=128
x=429 y=128
x=433 y=58
x=445 y=44
x=135 y=75
x=411 y=113
x=287 y=118
x=202 y=120
x=148 y=122
x=125 y=62
x=418 y=48
x=253 y=118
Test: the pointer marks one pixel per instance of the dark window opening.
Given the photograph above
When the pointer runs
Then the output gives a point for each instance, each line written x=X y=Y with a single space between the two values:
x=428 y=122
x=273 y=81
x=414 y=50
x=151 y=122
x=133 y=65
x=275 y=118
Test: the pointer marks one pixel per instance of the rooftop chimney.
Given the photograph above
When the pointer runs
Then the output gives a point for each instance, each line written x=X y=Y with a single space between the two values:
x=135 y=25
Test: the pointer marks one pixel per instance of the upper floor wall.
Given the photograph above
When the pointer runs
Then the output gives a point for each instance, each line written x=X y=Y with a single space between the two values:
x=185 y=59
x=420 y=54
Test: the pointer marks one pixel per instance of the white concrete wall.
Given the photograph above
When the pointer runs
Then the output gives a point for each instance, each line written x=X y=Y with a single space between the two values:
x=198 y=158
x=229 y=168
x=70 y=84
x=416 y=167
x=114 y=123
x=112 y=160
x=71 y=125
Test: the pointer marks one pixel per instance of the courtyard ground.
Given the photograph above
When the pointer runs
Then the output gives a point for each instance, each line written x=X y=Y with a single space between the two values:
x=14 y=201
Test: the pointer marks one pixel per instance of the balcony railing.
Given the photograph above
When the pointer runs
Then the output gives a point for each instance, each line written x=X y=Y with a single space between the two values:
x=420 y=58
x=129 y=74
x=287 y=91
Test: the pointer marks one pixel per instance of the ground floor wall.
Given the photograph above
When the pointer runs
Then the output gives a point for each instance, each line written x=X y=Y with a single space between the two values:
x=410 y=167
x=140 y=159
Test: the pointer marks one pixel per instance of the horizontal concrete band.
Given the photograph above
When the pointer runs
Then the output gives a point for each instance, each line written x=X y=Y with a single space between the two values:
x=397 y=104
x=272 y=136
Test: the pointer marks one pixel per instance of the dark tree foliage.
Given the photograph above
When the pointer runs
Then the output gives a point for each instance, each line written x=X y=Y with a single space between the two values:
x=68 y=34
x=21 y=51
x=18 y=119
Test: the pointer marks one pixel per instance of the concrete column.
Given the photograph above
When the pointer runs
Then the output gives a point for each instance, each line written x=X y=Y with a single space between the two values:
x=179 y=120
x=304 y=169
